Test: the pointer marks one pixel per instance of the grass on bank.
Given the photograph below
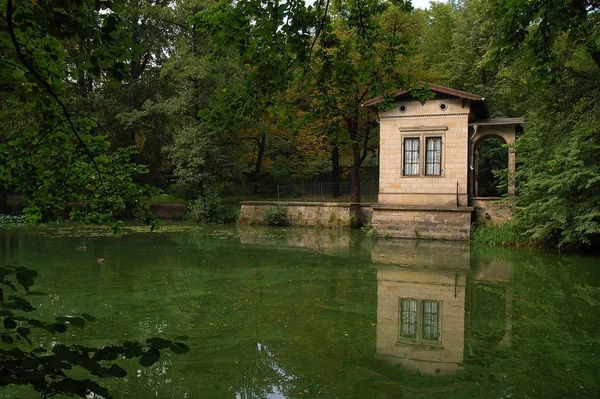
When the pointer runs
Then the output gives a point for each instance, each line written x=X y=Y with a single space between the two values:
x=507 y=234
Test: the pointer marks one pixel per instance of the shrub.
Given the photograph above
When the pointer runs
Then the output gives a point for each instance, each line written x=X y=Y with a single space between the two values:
x=204 y=209
x=370 y=230
x=275 y=215
x=210 y=210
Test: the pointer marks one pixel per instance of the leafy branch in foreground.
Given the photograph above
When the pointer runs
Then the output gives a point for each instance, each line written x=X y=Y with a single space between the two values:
x=52 y=151
x=45 y=369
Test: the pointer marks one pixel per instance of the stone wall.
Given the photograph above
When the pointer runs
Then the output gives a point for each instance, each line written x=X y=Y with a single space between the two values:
x=492 y=210
x=423 y=222
x=315 y=214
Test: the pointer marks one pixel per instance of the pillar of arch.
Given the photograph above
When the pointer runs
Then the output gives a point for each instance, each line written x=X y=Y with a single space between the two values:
x=480 y=131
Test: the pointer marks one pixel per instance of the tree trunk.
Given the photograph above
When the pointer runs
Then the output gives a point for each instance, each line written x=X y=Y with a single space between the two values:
x=335 y=170
x=259 y=158
x=596 y=58
x=357 y=156
x=356 y=162
x=3 y=199
x=507 y=337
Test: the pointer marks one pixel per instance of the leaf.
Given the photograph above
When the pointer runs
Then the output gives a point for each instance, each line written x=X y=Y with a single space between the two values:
x=108 y=353
x=25 y=277
x=7 y=338
x=58 y=327
x=117 y=371
x=88 y=317
x=179 y=348
x=76 y=321
x=9 y=323
x=150 y=357
x=158 y=343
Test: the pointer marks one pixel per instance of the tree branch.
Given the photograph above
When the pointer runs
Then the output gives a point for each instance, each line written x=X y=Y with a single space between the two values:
x=46 y=85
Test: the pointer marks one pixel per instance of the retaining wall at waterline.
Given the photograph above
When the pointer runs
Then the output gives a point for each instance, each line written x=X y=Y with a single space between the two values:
x=446 y=223
x=313 y=214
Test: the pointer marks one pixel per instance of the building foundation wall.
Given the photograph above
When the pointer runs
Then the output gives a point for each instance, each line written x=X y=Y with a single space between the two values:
x=423 y=222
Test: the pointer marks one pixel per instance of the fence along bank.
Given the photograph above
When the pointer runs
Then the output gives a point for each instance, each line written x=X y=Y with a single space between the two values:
x=428 y=169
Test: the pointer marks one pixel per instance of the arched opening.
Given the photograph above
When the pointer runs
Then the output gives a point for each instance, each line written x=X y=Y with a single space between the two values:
x=491 y=163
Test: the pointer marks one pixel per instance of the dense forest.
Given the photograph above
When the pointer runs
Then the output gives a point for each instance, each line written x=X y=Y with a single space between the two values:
x=105 y=103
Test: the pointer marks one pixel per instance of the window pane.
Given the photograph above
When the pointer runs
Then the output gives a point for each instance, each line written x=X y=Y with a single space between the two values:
x=430 y=320
x=411 y=156
x=433 y=156
x=408 y=318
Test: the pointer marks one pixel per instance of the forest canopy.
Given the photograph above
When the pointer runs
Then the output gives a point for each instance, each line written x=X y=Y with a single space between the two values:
x=105 y=102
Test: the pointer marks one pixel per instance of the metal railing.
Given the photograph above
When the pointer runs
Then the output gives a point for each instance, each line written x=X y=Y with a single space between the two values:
x=325 y=191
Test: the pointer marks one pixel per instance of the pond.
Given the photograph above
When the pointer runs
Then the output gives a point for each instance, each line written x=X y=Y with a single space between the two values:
x=296 y=313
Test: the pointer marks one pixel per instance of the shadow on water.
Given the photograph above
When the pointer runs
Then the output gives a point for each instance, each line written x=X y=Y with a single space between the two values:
x=290 y=313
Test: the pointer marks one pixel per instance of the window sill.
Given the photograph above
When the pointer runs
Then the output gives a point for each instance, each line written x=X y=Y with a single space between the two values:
x=424 y=176
x=431 y=346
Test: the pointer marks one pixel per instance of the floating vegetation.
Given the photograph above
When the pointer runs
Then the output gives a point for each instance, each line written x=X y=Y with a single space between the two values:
x=79 y=230
x=13 y=219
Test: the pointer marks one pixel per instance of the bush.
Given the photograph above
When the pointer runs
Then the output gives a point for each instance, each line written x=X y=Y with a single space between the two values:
x=205 y=209
x=275 y=215
x=210 y=210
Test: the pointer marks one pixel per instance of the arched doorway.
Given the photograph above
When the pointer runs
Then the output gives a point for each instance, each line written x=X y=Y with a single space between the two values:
x=491 y=166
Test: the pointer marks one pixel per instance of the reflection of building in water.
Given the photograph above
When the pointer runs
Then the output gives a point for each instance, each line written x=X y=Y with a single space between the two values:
x=430 y=304
x=421 y=311
x=332 y=241
x=490 y=291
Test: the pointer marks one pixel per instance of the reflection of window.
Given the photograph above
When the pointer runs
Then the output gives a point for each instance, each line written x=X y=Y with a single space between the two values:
x=419 y=321
x=408 y=318
x=430 y=320
x=422 y=163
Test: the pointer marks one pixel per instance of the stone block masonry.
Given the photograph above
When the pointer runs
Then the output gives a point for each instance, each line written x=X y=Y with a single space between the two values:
x=447 y=223
x=313 y=214
x=492 y=210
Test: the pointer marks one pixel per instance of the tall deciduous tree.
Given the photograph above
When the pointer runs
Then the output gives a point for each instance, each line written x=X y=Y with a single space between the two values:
x=344 y=51
x=57 y=155
x=549 y=68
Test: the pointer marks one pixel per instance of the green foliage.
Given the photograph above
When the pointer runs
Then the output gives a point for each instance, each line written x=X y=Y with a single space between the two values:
x=507 y=234
x=275 y=215
x=12 y=219
x=24 y=362
x=559 y=191
x=53 y=152
x=370 y=231
x=205 y=209
x=492 y=179
x=558 y=175
x=538 y=26
x=210 y=209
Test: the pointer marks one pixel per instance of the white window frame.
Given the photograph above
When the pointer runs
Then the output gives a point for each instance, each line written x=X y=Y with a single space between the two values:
x=423 y=152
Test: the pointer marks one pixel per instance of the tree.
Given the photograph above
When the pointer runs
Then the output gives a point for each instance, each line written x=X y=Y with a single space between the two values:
x=344 y=52
x=55 y=155
x=540 y=25
x=549 y=69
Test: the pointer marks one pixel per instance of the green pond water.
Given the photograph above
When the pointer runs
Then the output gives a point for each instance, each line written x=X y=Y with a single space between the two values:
x=295 y=313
